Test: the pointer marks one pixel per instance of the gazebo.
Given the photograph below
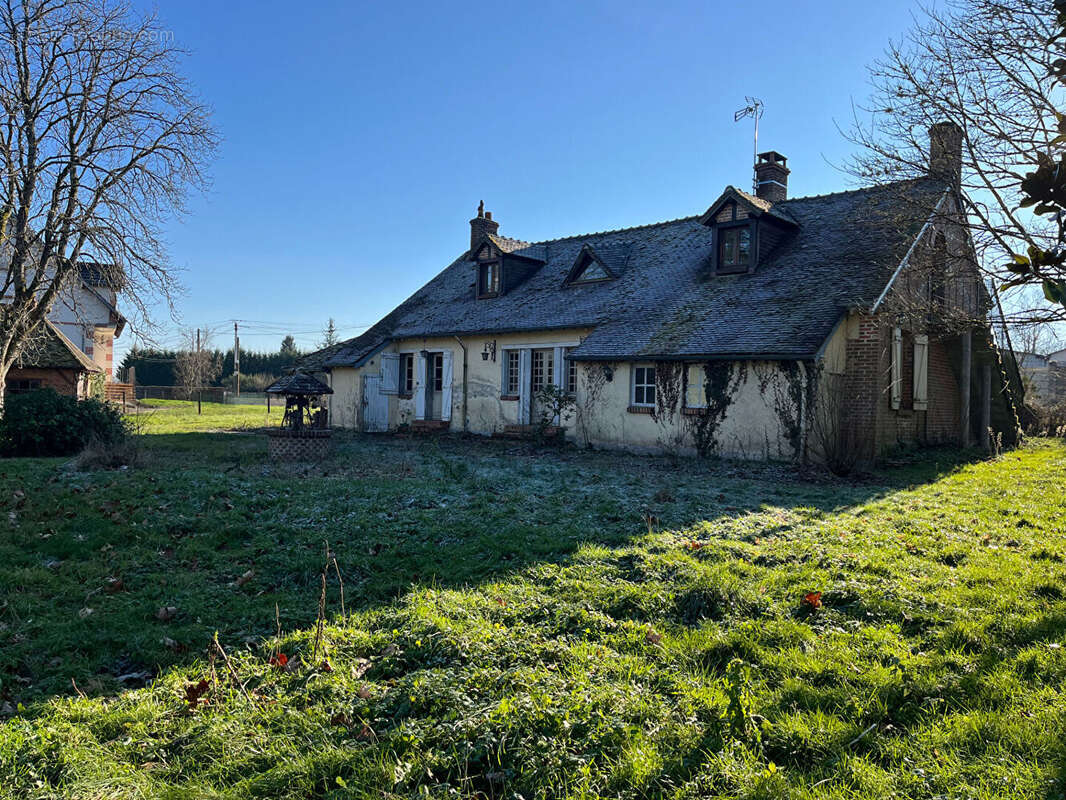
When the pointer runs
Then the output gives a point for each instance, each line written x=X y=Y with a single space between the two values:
x=304 y=434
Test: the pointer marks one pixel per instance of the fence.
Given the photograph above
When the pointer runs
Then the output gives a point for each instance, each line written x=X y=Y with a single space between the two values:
x=207 y=394
x=119 y=392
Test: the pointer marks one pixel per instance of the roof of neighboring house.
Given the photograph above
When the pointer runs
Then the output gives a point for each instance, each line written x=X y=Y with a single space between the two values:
x=50 y=349
x=298 y=383
x=839 y=251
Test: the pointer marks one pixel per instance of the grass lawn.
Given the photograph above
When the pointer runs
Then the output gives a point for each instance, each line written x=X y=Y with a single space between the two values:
x=179 y=416
x=526 y=623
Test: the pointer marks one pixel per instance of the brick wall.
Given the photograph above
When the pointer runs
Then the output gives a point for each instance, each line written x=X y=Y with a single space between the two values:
x=942 y=420
x=867 y=384
x=64 y=381
x=862 y=377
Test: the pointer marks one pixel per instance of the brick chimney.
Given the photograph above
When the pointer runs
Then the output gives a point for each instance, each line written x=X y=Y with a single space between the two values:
x=482 y=225
x=945 y=153
x=771 y=177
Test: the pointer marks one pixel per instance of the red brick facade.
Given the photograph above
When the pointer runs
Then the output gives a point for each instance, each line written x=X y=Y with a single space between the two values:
x=868 y=387
x=64 y=381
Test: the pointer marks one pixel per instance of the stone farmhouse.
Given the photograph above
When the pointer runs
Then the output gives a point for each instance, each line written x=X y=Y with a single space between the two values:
x=75 y=346
x=764 y=327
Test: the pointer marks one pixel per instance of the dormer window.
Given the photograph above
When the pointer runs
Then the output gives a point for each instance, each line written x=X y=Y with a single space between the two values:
x=734 y=249
x=488 y=279
x=588 y=268
x=488 y=273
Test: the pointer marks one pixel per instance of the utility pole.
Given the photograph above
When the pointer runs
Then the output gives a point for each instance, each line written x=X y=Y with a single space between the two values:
x=199 y=392
x=236 y=359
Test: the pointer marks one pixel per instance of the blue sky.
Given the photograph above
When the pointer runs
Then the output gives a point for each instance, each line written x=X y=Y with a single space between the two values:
x=359 y=138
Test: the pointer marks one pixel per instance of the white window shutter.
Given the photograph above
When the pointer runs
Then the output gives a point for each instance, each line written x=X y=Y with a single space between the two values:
x=390 y=373
x=897 y=368
x=921 y=372
x=525 y=381
x=420 y=386
x=446 y=386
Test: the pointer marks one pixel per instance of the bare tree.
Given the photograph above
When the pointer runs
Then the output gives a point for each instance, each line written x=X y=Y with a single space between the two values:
x=101 y=138
x=985 y=65
x=197 y=364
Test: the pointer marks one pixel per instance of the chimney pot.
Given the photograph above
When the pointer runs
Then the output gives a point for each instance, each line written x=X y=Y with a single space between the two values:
x=771 y=176
x=488 y=215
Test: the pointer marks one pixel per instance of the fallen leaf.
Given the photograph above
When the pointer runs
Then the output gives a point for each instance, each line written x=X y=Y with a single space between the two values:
x=279 y=661
x=115 y=585
x=652 y=636
x=85 y=612
x=813 y=599
x=364 y=692
x=166 y=613
x=194 y=691
x=246 y=577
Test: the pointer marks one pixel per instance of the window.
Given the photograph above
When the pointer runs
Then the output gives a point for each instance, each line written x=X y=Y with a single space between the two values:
x=542 y=369
x=644 y=386
x=734 y=247
x=488 y=279
x=589 y=271
x=23 y=386
x=407 y=373
x=438 y=371
x=571 y=374
x=695 y=386
x=510 y=380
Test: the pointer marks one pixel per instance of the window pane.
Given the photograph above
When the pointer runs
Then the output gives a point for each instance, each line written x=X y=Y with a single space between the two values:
x=744 y=245
x=728 y=247
x=638 y=395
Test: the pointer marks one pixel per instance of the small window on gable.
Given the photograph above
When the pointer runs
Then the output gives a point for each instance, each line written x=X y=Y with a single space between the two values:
x=592 y=271
x=734 y=248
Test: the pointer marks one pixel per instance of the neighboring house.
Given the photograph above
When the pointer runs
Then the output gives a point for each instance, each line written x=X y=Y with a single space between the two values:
x=52 y=361
x=78 y=340
x=1045 y=376
x=764 y=327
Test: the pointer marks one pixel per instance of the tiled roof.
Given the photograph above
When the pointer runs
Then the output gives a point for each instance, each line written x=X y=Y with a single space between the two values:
x=298 y=383
x=839 y=252
x=48 y=348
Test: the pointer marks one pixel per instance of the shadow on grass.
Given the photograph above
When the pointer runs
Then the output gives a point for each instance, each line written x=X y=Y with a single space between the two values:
x=112 y=576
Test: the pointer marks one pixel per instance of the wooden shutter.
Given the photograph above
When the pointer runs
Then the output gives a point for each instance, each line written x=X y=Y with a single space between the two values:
x=921 y=372
x=390 y=373
x=897 y=368
x=446 y=386
x=525 y=380
x=420 y=386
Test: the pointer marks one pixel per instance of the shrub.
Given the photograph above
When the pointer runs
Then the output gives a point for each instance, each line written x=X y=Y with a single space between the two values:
x=45 y=423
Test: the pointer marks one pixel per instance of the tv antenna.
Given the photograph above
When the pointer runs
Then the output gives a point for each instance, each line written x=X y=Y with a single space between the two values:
x=753 y=109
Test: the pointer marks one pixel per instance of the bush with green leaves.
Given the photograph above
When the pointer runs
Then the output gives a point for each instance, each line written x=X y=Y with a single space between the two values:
x=46 y=423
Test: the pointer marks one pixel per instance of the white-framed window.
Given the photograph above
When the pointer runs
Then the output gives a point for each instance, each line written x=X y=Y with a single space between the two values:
x=571 y=373
x=695 y=386
x=643 y=386
x=510 y=373
x=542 y=369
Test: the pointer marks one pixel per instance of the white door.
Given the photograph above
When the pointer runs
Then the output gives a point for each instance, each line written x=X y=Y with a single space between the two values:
x=375 y=405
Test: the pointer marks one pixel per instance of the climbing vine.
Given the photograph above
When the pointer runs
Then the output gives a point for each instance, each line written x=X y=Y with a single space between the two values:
x=721 y=381
x=792 y=387
x=595 y=381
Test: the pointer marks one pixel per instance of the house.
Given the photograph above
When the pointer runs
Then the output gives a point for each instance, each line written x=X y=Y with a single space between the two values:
x=1045 y=376
x=763 y=327
x=50 y=360
x=76 y=345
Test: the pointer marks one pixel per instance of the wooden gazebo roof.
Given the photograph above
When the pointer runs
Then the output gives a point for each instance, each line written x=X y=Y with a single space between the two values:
x=299 y=383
